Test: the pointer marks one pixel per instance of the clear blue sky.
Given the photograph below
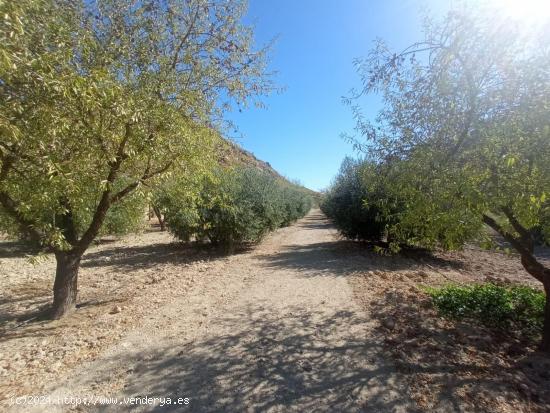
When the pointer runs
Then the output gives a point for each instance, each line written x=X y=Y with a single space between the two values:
x=299 y=131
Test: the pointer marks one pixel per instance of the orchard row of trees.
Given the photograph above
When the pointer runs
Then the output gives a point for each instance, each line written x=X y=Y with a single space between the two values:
x=101 y=101
x=462 y=142
x=231 y=207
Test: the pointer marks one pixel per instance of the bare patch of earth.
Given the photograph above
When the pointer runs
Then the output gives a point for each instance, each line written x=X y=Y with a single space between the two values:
x=457 y=366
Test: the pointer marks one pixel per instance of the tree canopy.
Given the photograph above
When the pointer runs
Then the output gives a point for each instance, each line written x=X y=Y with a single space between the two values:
x=463 y=138
x=101 y=98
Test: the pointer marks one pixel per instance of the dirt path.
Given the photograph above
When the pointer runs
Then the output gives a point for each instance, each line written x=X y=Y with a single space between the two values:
x=277 y=330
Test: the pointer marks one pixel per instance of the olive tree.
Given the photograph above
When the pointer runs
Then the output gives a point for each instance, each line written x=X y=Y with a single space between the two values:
x=237 y=205
x=100 y=99
x=351 y=201
x=464 y=133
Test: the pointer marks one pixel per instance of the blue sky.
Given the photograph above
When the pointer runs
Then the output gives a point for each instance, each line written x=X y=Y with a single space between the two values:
x=299 y=131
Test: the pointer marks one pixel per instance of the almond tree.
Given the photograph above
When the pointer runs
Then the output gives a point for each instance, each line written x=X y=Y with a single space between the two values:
x=464 y=134
x=99 y=99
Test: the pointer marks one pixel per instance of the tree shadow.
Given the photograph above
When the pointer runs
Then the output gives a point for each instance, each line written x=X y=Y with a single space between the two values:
x=32 y=296
x=543 y=253
x=263 y=362
x=35 y=321
x=303 y=362
x=17 y=249
x=343 y=257
x=315 y=222
x=147 y=256
x=460 y=366
x=28 y=304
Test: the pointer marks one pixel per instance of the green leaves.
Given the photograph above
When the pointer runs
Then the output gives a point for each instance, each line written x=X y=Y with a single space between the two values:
x=358 y=203
x=493 y=305
x=100 y=99
x=463 y=131
x=235 y=206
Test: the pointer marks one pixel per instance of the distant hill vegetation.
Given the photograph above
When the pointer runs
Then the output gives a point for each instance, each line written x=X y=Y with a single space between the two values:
x=233 y=154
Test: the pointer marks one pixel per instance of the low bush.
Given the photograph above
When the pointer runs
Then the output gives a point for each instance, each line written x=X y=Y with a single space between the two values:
x=295 y=204
x=234 y=207
x=126 y=217
x=350 y=205
x=366 y=202
x=493 y=305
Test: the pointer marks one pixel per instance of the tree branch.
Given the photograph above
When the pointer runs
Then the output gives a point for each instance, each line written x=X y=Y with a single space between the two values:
x=528 y=260
x=68 y=226
x=147 y=175
x=525 y=236
x=27 y=226
x=105 y=200
x=184 y=39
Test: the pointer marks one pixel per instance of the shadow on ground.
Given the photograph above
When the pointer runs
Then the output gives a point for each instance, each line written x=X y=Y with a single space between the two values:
x=343 y=257
x=299 y=362
x=302 y=363
x=23 y=308
x=148 y=256
x=457 y=366
x=17 y=249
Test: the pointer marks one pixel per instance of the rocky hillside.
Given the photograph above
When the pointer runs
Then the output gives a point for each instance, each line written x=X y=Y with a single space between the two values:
x=232 y=153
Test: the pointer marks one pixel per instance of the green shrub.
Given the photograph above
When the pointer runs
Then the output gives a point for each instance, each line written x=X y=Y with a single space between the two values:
x=178 y=199
x=126 y=217
x=350 y=205
x=234 y=207
x=295 y=204
x=493 y=305
x=241 y=213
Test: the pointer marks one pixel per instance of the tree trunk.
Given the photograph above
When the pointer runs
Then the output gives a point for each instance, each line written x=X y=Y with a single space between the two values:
x=541 y=273
x=160 y=218
x=545 y=344
x=525 y=246
x=66 y=283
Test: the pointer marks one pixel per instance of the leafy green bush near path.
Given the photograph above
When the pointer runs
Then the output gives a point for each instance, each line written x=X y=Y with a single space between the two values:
x=233 y=207
x=495 y=306
x=345 y=202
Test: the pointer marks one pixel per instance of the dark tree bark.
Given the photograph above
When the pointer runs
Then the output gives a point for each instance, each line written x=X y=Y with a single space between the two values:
x=545 y=343
x=65 y=288
x=160 y=218
x=525 y=246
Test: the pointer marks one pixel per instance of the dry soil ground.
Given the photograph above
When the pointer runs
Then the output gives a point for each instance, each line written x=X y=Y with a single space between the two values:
x=303 y=322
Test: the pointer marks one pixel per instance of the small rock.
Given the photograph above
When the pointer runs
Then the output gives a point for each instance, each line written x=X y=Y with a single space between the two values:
x=389 y=323
x=524 y=389
x=306 y=366
x=115 y=310
x=422 y=273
